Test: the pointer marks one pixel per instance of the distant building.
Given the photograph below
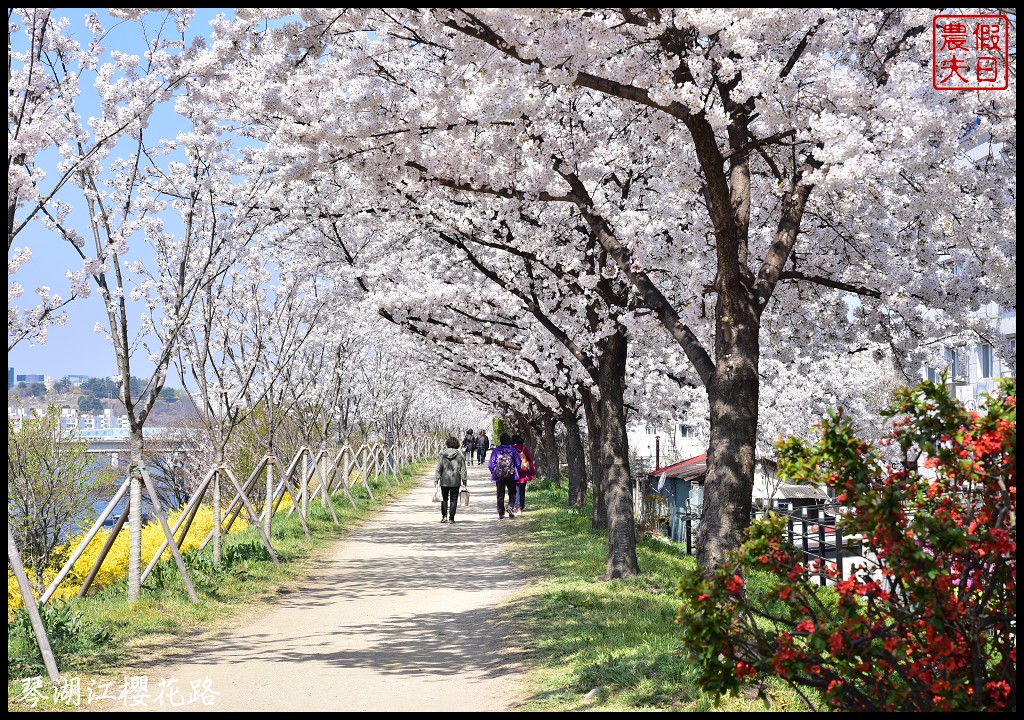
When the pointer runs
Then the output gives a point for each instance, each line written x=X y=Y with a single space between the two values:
x=658 y=446
x=31 y=378
x=10 y=378
x=973 y=371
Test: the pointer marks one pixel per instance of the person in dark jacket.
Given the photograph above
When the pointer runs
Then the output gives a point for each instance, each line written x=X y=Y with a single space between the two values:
x=483 y=442
x=451 y=475
x=469 y=446
x=504 y=466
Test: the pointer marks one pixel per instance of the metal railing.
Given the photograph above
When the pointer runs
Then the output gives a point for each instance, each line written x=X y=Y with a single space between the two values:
x=815 y=531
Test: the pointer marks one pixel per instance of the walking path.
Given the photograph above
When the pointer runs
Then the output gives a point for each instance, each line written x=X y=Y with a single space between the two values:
x=398 y=616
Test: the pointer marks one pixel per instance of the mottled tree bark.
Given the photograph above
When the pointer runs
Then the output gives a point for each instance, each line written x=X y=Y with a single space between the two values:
x=576 y=462
x=732 y=398
x=618 y=483
x=550 y=469
x=599 y=513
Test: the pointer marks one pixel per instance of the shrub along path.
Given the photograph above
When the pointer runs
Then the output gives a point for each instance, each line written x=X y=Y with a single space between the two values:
x=403 y=614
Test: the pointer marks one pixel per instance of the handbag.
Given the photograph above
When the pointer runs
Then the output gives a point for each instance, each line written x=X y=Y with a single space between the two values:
x=437 y=492
x=464 y=497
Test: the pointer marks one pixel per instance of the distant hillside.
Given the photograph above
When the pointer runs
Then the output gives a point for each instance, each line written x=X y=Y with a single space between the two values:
x=173 y=408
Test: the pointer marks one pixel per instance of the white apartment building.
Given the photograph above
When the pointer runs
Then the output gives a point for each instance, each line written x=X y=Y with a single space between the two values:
x=658 y=446
x=974 y=370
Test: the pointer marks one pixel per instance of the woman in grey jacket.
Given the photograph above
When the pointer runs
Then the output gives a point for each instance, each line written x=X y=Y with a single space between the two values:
x=451 y=475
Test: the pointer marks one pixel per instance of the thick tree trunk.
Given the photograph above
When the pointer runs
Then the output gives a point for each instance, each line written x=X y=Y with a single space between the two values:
x=732 y=397
x=575 y=461
x=599 y=512
x=618 y=483
x=550 y=468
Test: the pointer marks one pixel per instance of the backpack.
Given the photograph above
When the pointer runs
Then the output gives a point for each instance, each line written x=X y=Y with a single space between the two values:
x=504 y=467
x=524 y=464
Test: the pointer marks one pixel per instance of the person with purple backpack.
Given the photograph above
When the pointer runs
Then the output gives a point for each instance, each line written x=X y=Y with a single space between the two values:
x=504 y=465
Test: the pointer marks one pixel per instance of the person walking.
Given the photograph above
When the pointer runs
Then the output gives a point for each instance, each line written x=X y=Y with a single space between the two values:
x=504 y=466
x=527 y=471
x=451 y=475
x=469 y=446
x=483 y=442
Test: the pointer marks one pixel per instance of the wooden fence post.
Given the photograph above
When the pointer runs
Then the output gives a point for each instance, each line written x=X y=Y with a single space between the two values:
x=184 y=522
x=85 y=542
x=253 y=516
x=167 y=532
x=42 y=640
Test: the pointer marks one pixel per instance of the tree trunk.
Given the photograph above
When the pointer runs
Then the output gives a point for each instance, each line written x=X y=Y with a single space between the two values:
x=732 y=397
x=216 y=518
x=599 y=513
x=577 y=466
x=268 y=503
x=535 y=443
x=135 y=517
x=550 y=468
x=617 y=481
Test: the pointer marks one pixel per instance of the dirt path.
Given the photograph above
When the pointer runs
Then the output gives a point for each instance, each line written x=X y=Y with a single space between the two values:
x=398 y=616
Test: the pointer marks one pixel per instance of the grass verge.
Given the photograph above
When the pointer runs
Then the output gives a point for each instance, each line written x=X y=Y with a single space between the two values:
x=595 y=645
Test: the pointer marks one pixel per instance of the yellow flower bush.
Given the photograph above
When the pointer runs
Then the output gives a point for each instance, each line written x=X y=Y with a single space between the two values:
x=115 y=565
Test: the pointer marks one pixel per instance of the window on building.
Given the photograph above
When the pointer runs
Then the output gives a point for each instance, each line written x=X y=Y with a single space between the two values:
x=685 y=431
x=956 y=364
x=650 y=430
x=986 y=361
x=932 y=375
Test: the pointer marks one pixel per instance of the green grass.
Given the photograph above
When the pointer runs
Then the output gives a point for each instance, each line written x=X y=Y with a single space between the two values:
x=596 y=645
x=590 y=644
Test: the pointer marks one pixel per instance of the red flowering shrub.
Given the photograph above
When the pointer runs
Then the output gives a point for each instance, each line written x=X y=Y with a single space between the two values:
x=927 y=622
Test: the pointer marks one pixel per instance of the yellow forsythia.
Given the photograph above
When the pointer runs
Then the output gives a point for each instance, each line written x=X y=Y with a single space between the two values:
x=115 y=565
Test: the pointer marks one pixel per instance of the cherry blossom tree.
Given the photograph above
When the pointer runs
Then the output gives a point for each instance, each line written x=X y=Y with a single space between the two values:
x=222 y=349
x=147 y=201
x=50 y=148
x=578 y=187
x=745 y=169
x=543 y=311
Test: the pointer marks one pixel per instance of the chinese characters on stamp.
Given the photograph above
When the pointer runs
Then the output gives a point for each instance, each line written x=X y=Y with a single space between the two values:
x=970 y=52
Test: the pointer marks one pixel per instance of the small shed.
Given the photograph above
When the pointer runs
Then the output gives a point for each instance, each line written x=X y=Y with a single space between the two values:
x=682 y=486
x=793 y=497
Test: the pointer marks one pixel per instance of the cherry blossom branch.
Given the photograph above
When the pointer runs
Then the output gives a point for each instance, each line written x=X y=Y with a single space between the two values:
x=652 y=296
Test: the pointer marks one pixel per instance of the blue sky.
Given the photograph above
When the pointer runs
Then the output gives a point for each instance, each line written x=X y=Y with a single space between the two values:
x=75 y=349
